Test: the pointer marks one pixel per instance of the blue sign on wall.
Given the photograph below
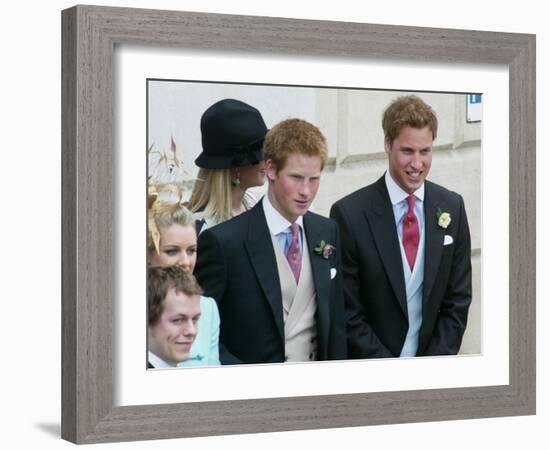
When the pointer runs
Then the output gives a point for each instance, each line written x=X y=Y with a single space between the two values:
x=474 y=98
x=474 y=109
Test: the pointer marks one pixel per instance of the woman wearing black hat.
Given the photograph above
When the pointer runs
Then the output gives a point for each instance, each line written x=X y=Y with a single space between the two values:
x=231 y=161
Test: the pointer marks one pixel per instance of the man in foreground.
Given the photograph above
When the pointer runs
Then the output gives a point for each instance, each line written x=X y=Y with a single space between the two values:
x=173 y=298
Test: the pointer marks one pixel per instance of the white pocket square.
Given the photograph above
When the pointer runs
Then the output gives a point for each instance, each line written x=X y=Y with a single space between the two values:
x=332 y=273
x=448 y=240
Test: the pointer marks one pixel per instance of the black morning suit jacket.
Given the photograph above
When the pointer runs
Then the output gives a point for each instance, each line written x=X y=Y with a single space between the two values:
x=236 y=266
x=374 y=284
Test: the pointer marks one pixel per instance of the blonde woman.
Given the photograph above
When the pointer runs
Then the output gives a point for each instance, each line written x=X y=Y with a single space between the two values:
x=231 y=162
x=172 y=240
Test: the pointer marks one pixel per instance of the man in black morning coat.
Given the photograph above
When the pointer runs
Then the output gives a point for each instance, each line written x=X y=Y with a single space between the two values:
x=405 y=249
x=275 y=269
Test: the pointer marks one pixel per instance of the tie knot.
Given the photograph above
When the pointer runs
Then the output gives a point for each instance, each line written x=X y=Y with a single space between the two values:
x=294 y=229
x=411 y=200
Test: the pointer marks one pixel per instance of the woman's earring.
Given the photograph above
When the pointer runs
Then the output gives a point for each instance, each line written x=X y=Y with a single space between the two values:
x=236 y=181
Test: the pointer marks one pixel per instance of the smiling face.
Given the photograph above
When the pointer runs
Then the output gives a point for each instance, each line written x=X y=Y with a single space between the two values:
x=171 y=336
x=410 y=157
x=292 y=189
x=178 y=246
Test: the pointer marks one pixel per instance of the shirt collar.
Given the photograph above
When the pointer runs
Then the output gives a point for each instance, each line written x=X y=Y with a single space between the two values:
x=397 y=195
x=275 y=221
x=158 y=363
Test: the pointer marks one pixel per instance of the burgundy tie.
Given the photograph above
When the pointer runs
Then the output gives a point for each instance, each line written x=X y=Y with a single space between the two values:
x=411 y=234
x=293 y=256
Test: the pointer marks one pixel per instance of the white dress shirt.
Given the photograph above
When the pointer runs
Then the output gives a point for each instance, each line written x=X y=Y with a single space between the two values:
x=398 y=198
x=158 y=363
x=280 y=227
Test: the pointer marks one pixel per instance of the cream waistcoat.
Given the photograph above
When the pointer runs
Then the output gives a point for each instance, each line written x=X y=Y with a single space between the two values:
x=299 y=306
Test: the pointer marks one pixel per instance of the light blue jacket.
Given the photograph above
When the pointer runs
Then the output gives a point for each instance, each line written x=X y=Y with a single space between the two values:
x=205 y=349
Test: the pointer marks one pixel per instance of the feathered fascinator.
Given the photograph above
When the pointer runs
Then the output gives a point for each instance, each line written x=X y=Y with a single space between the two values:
x=165 y=167
x=167 y=182
x=157 y=204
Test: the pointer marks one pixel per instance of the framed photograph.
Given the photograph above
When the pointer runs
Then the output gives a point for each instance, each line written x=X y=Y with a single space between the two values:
x=103 y=46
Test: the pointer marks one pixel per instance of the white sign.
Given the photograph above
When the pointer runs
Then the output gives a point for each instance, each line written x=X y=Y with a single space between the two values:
x=473 y=108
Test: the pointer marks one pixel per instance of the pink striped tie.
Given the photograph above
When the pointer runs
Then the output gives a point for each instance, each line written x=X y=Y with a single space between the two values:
x=293 y=256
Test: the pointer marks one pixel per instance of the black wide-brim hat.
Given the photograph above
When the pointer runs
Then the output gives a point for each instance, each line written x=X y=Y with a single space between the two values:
x=233 y=135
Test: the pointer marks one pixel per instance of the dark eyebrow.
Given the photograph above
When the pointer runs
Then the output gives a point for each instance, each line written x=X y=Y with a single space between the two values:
x=410 y=149
x=183 y=316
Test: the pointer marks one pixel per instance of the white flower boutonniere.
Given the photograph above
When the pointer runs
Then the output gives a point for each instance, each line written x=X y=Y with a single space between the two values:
x=443 y=218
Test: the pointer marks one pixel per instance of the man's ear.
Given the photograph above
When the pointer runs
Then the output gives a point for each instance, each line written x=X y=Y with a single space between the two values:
x=387 y=144
x=270 y=170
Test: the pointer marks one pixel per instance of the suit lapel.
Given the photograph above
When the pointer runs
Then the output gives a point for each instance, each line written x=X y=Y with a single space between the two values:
x=320 y=268
x=434 y=239
x=379 y=214
x=262 y=258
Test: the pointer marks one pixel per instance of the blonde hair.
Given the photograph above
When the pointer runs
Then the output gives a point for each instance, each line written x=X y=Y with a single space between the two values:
x=211 y=196
x=162 y=214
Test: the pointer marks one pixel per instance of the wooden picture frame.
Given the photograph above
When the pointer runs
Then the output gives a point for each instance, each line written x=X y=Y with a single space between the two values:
x=90 y=34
